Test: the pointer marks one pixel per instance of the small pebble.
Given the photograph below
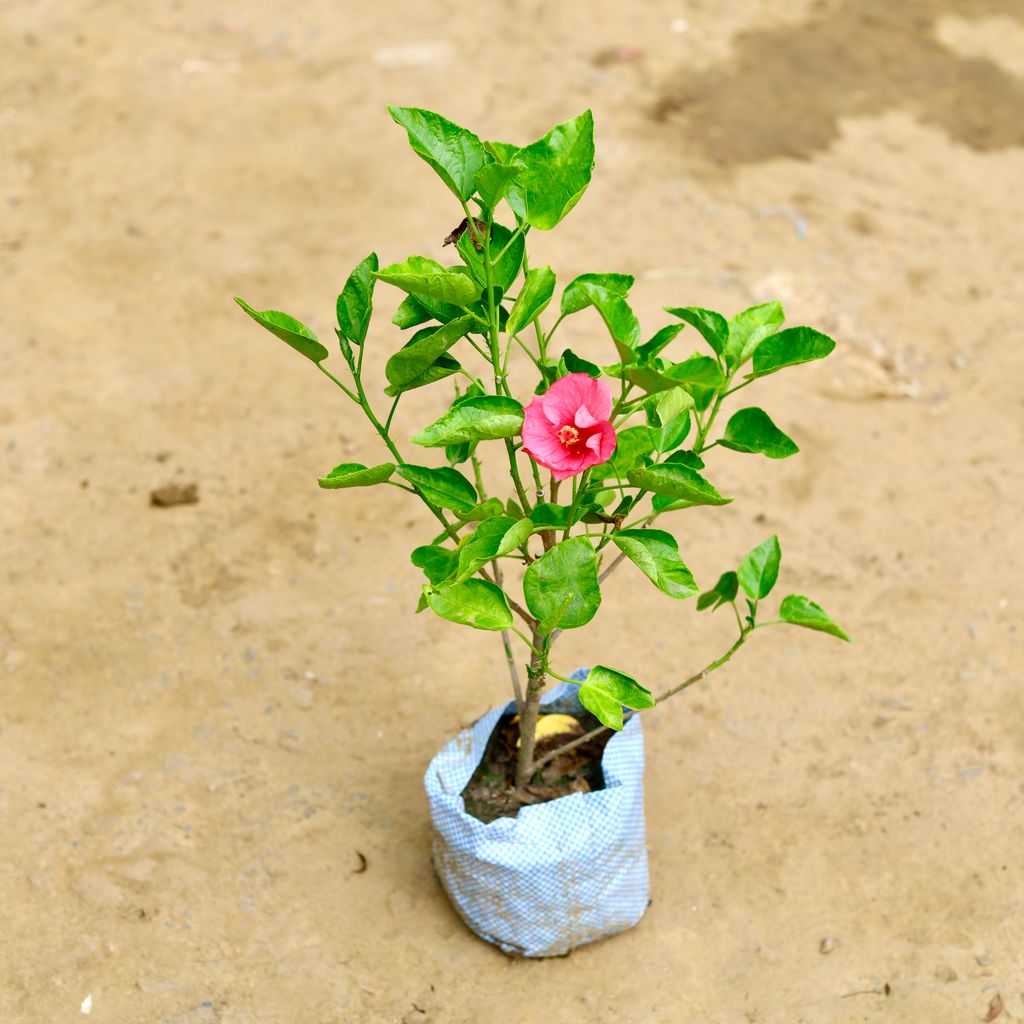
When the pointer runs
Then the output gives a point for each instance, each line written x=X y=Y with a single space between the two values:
x=983 y=960
x=826 y=945
x=174 y=494
x=945 y=973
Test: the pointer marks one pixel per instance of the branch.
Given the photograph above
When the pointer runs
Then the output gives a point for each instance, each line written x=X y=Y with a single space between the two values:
x=607 y=572
x=696 y=678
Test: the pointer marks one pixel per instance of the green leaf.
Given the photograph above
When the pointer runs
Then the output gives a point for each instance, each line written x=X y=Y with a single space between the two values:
x=724 y=591
x=427 y=279
x=487 y=509
x=672 y=412
x=549 y=516
x=437 y=563
x=656 y=554
x=507 y=268
x=503 y=152
x=572 y=363
x=355 y=303
x=443 y=366
x=532 y=299
x=561 y=586
x=751 y=430
x=649 y=349
x=760 y=569
x=633 y=445
x=474 y=419
x=288 y=329
x=355 y=474
x=492 y=181
x=579 y=292
x=712 y=326
x=425 y=348
x=444 y=487
x=604 y=692
x=555 y=174
x=802 y=611
x=698 y=371
x=748 y=329
x=492 y=539
x=607 y=294
x=453 y=151
x=476 y=603
x=676 y=481
x=790 y=347
x=410 y=313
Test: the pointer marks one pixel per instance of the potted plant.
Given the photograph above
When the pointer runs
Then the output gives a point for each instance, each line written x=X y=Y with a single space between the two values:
x=538 y=808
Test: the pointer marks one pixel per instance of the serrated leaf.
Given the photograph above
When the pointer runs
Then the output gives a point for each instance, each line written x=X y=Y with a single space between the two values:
x=476 y=603
x=748 y=329
x=802 y=611
x=656 y=554
x=555 y=173
x=425 y=348
x=355 y=474
x=427 y=279
x=355 y=303
x=561 y=586
x=751 y=430
x=713 y=326
x=291 y=331
x=480 y=418
x=455 y=153
x=678 y=482
x=532 y=300
x=760 y=569
x=604 y=692
x=790 y=347
x=444 y=487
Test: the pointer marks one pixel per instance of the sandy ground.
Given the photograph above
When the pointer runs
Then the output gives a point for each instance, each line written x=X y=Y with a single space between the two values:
x=208 y=710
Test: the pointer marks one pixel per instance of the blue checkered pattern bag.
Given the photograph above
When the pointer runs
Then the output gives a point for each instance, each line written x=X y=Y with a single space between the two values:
x=558 y=875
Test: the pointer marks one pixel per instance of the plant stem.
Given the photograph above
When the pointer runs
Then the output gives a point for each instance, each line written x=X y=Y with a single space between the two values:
x=391 y=413
x=517 y=687
x=607 y=572
x=531 y=709
x=500 y=383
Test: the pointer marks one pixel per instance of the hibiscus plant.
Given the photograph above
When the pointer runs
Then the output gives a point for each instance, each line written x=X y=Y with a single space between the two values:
x=596 y=456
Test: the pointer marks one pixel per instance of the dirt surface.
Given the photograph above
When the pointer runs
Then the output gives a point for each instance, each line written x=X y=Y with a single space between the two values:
x=195 y=698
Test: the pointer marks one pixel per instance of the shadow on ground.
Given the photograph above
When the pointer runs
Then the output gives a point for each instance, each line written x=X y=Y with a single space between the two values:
x=787 y=87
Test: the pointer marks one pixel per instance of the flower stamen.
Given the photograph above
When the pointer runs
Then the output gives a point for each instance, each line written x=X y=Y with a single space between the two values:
x=568 y=435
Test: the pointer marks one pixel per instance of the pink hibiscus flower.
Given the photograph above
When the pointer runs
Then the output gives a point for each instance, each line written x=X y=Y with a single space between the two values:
x=566 y=429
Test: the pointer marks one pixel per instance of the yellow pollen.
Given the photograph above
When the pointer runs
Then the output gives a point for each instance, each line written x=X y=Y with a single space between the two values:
x=568 y=435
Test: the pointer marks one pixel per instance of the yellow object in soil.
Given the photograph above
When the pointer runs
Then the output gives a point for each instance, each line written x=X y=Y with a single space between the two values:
x=557 y=725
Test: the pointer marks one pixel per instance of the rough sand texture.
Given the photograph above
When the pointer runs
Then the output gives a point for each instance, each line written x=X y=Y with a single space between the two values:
x=199 y=702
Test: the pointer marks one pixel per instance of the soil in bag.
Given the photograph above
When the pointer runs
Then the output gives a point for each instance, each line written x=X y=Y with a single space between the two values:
x=491 y=793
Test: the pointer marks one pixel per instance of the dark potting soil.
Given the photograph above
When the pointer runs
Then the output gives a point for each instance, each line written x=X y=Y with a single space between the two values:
x=491 y=793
